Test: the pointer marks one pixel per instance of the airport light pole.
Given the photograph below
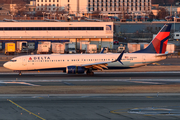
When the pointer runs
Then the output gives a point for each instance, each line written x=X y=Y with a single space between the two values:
x=48 y=15
x=59 y=16
x=25 y=16
x=11 y=16
x=54 y=15
x=136 y=17
x=43 y=14
x=174 y=21
x=144 y=16
x=132 y=16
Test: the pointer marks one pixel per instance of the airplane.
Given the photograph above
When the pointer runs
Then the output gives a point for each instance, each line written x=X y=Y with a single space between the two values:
x=81 y=63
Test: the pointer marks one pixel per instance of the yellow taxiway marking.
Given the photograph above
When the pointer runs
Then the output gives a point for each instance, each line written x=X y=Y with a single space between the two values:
x=26 y=110
x=118 y=111
x=149 y=97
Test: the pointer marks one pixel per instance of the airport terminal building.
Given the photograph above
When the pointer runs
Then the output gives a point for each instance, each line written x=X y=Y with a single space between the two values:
x=90 y=6
x=99 y=33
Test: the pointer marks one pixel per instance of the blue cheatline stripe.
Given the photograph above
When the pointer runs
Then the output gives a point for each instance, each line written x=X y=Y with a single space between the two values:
x=161 y=46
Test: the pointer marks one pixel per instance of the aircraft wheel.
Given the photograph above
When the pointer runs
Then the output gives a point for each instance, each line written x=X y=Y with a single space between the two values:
x=20 y=73
x=90 y=73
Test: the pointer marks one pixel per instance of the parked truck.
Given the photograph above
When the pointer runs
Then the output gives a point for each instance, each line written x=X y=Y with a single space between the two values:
x=132 y=47
x=31 y=46
x=82 y=46
x=143 y=45
x=44 y=47
x=70 y=48
x=91 y=48
x=10 y=48
x=121 y=48
x=58 y=48
x=170 y=48
x=22 y=46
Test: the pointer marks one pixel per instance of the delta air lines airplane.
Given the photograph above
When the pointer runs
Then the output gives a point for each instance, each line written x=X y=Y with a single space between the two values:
x=81 y=63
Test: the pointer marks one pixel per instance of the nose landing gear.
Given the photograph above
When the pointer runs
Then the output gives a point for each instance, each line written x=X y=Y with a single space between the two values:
x=20 y=73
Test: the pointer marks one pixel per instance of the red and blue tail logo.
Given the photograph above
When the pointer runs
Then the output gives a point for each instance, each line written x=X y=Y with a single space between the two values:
x=159 y=43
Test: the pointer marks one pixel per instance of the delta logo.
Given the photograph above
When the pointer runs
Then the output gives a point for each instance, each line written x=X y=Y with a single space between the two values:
x=39 y=58
x=30 y=58
x=126 y=57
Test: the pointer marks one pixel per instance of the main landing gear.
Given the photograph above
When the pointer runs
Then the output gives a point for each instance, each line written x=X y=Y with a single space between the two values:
x=20 y=73
x=89 y=72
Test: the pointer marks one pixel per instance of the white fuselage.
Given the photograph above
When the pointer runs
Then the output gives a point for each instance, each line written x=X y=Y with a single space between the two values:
x=57 y=61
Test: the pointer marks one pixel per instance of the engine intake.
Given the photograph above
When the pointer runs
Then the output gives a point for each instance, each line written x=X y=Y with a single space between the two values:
x=75 y=70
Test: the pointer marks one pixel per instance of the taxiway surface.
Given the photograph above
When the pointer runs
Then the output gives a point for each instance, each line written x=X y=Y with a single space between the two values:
x=100 y=78
x=84 y=107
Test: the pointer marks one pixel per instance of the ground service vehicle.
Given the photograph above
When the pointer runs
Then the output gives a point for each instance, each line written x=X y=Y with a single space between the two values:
x=10 y=48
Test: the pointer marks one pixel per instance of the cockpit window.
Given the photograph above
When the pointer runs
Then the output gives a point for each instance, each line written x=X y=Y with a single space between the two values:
x=13 y=60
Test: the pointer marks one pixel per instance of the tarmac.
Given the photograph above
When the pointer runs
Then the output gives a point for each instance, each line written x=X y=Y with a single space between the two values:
x=89 y=107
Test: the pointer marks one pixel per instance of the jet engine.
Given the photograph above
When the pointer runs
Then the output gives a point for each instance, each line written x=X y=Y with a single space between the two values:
x=75 y=70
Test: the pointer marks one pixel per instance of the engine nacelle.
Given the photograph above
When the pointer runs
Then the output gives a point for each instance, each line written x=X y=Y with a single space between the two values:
x=75 y=70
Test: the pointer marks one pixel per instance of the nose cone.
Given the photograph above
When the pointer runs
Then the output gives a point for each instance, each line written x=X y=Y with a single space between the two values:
x=6 y=65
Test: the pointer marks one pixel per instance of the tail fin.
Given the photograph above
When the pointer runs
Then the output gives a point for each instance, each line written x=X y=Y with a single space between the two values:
x=159 y=43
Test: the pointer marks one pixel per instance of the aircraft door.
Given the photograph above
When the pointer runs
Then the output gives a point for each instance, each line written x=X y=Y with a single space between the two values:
x=143 y=58
x=24 y=61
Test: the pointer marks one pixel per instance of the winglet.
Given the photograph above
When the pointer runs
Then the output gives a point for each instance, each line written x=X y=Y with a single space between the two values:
x=102 y=51
x=120 y=57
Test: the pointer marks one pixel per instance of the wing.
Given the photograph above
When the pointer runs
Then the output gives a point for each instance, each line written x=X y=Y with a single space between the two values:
x=102 y=65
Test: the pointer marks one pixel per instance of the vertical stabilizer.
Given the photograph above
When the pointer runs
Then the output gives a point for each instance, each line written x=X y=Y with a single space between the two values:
x=159 y=43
